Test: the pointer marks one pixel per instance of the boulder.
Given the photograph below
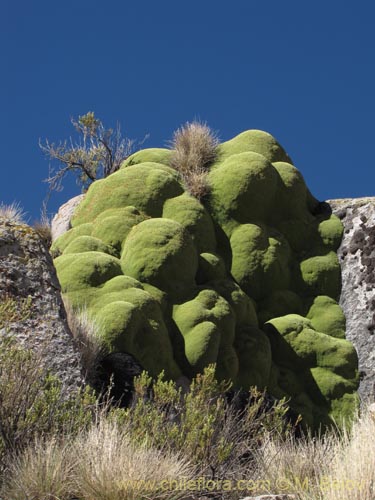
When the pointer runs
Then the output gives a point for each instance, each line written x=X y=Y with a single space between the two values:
x=357 y=259
x=31 y=307
x=61 y=221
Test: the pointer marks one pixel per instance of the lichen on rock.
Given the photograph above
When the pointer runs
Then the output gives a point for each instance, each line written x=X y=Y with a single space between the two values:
x=357 y=259
x=247 y=279
x=31 y=308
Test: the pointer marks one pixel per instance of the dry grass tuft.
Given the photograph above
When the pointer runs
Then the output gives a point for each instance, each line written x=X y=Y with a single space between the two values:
x=44 y=471
x=297 y=464
x=43 y=228
x=351 y=474
x=86 y=333
x=337 y=465
x=99 y=464
x=12 y=213
x=194 y=149
x=122 y=471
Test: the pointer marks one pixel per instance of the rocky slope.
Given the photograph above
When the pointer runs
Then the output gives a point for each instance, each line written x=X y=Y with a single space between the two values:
x=357 y=259
x=31 y=308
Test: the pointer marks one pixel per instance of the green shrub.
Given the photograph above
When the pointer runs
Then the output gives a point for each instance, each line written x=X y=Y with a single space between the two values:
x=33 y=402
x=13 y=309
x=213 y=431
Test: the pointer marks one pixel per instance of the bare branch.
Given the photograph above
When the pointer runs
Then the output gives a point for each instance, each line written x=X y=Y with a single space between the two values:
x=97 y=153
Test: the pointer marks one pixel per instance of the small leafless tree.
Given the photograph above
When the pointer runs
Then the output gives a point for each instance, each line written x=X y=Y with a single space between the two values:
x=97 y=153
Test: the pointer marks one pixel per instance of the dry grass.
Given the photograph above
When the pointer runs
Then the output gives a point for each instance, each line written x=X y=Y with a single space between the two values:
x=194 y=149
x=339 y=465
x=14 y=309
x=44 y=471
x=122 y=471
x=12 y=213
x=86 y=333
x=104 y=462
x=351 y=474
x=44 y=230
x=99 y=464
x=297 y=464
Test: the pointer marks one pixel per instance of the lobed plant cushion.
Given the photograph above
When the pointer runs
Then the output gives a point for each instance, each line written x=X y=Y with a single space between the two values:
x=247 y=279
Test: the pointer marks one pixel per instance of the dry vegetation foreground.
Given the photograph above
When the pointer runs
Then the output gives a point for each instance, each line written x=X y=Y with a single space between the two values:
x=103 y=463
x=168 y=444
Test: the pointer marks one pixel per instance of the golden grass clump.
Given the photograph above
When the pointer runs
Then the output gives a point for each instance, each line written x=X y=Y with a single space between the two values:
x=337 y=465
x=99 y=464
x=194 y=149
x=43 y=471
x=12 y=213
x=44 y=229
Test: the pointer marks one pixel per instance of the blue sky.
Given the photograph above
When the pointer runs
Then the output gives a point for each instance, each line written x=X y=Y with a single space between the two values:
x=303 y=71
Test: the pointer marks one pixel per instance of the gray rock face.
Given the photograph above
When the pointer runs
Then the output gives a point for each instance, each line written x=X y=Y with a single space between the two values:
x=27 y=274
x=357 y=258
x=61 y=222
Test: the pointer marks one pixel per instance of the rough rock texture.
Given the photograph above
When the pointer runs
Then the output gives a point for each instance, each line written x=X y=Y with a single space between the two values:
x=28 y=281
x=357 y=259
x=61 y=221
x=248 y=279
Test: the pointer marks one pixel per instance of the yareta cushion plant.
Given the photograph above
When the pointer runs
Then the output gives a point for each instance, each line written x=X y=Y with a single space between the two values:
x=247 y=278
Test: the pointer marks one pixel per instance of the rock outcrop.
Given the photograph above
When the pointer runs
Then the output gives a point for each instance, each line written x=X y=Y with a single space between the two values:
x=61 y=221
x=248 y=279
x=357 y=259
x=31 y=305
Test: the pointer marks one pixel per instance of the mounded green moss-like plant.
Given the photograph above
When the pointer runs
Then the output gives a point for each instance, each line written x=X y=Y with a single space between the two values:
x=160 y=252
x=180 y=283
x=256 y=141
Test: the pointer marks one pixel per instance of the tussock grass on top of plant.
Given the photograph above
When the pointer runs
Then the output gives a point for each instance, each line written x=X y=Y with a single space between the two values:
x=12 y=213
x=194 y=149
